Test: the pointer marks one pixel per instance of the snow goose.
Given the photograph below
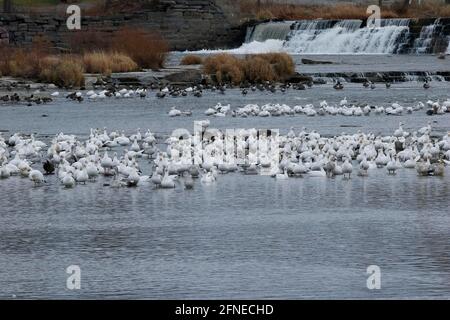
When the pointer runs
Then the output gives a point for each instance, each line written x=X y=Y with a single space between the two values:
x=37 y=177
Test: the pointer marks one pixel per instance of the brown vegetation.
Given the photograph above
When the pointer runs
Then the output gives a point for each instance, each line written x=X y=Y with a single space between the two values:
x=33 y=64
x=40 y=63
x=191 y=59
x=128 y=49
x=87 y=40
x=147 y=48
x=225 y=68
x=253 y=68
x=108 y=62
x=63 y=71
x=273 y=10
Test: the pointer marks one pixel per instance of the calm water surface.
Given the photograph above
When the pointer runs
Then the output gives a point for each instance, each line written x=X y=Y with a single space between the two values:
x=244 y=236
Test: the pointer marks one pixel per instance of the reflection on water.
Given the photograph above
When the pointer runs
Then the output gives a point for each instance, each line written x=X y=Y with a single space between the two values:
x=244 y=237
x=130 y=114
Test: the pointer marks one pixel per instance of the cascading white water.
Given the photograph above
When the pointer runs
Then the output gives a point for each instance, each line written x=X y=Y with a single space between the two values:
x=265 y=37
x=348 y=37
x=448 y=48
x=424 y=43
x=337 y=37
x=267 y=31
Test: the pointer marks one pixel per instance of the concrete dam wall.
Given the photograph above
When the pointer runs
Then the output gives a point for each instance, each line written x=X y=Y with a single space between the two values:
x=210 y=24
x=186 y=24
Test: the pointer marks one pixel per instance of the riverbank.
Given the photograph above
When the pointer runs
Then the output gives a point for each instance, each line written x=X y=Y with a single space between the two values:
x=181 y=75
x=348 y=68
x=335 y=10
x=185 y=25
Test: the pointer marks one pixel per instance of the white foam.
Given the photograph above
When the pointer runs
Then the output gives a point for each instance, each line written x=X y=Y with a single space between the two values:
x=254 y=47
x=328 y=37
x=346 y=37
x=269 y=30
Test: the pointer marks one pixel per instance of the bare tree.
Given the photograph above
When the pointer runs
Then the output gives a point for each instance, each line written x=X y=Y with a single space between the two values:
x=108 y=4
x=407 y=3
x=7 y=5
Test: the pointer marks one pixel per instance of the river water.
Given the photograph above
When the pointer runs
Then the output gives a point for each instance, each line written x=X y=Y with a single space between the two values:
x=242 y=237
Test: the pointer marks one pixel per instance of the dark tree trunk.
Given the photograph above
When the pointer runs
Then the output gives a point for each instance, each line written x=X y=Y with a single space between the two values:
x=406 y=4
x=7 y=5
x=108 y=4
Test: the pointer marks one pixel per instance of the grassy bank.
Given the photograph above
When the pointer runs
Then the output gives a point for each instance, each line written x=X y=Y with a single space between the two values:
x=275 y=10
x=268 y=9
x=128 y=49
x=227 y=68
x=37 y=65
x=146 y=48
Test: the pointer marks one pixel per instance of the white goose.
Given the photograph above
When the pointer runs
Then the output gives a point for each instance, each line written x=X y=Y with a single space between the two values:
x=68 y=181
x=167 y=181
x=4 y=173
x=81 y=176
x=122 y=140
x=92 y=171
x=174 y=112
x=208 y=178
x=106 y=162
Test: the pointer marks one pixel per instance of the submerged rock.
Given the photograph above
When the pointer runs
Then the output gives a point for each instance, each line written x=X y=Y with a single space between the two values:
x=309 y=61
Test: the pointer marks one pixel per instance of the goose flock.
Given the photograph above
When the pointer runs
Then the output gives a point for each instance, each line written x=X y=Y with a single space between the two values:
x=175 y=91
x=176 y=161
x=106 y=91
x=29 y=99
x=343 y=108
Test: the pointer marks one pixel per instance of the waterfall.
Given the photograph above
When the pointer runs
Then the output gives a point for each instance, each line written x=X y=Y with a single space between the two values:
x=265 y=37
x=424 y=43
x=347 y=36
x=319 y=36
x=448 y=48
x=267 y=31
